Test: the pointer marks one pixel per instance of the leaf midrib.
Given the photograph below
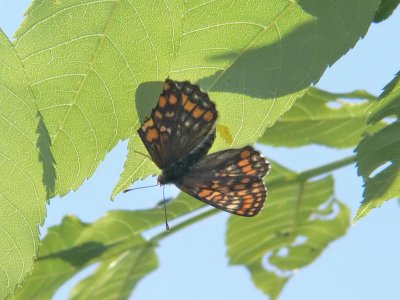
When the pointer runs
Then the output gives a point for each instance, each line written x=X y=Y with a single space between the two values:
x=100 y=45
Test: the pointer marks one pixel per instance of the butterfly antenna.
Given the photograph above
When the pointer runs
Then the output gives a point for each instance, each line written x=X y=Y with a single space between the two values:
x=138 y=188
x=165 y=210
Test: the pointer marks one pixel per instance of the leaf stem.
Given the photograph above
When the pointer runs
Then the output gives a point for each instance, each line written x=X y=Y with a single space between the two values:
x=327 y=168
x=300 y=177
x=305 y=175
x=184 y=224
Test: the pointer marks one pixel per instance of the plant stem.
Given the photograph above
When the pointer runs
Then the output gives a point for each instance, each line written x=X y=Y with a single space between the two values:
x=184 y=224
x=327 y=168
x=303 y=176
x=300 y=177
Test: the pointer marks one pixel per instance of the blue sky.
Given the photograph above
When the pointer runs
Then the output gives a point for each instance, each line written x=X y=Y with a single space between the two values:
x=193 y=263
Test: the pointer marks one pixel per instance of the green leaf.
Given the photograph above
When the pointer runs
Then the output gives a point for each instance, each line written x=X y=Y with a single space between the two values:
x=297 y=224
x=385 y=10
x=85 y=61
x=25 y=171
x=388 y=104
x=137 y=166
x=50 y=270
x=378 y=155
x=312 y=120
x=140 y=220
x=113 y=240
x=255 y=59
x=73 y=245
x=116 y=278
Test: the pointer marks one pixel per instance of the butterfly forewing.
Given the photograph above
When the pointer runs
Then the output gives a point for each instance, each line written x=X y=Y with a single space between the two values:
x=182 y=119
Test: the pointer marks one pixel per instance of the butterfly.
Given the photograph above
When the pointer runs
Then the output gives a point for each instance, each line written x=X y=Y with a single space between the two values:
x=178 y=135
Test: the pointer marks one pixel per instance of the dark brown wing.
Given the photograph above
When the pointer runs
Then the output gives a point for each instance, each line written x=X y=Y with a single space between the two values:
x=230 y=180
x=182 y=119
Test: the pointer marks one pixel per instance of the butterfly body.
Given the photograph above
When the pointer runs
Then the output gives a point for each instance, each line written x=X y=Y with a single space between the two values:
x=183 y=166
x=178 y=135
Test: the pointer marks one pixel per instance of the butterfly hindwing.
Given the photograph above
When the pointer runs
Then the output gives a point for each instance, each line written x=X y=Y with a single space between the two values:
x=230 y=180
x=240 y=162
x=236 y=195
x=182 y=119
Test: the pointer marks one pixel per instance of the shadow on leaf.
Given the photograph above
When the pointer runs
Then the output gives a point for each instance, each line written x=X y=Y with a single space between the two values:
x=80 y=255
x=147 y=95
x=46 y=157
x=290 y=61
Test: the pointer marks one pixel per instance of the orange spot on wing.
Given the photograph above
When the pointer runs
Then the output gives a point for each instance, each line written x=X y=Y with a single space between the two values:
x=247 y=169
x=197 y=112
x=249 y=201
x=252 y=172
x=147 y=124
x=246 y=206
x=208 y=116
x=184 y=98
x=245 y=154
x=172 y=99
x=246 y=180
x=189 y=105
x=243 y=163
x=239 y=187
x=205 y=193
x=151 y=135
x=218 y=198
x=242 y=193
x=162 y=101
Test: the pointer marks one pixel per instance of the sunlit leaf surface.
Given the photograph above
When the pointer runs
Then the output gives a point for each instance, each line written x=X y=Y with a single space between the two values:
x=26 y=172
x=255 y=58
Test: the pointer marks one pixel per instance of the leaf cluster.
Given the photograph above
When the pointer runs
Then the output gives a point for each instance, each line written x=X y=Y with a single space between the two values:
x=81 y=75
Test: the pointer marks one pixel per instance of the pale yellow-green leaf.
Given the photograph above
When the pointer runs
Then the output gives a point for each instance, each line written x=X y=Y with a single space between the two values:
x=138 y=165
x=25 y=173
x=255 y=58
x=85 y=60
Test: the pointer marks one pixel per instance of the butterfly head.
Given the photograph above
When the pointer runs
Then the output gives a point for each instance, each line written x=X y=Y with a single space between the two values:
x=161 y=180
x=173 y=173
